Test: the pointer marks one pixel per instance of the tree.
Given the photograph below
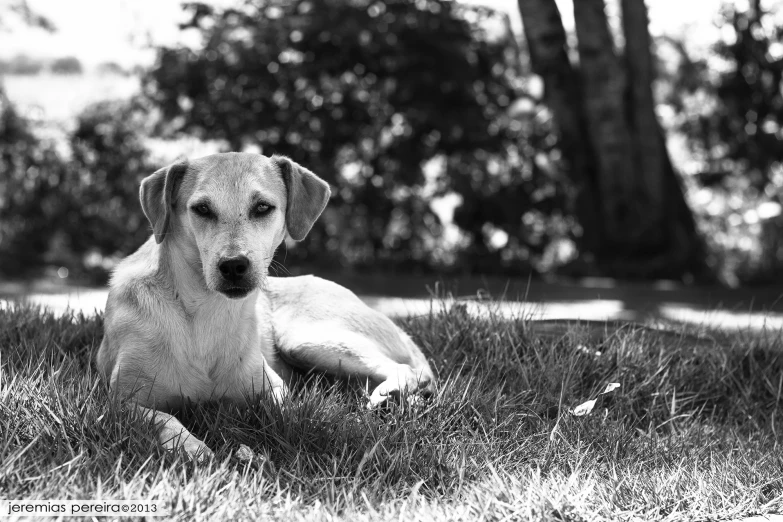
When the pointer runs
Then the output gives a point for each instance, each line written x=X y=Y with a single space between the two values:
x=20 y=10
x=731 y=117
x=741 y=135
x=30 y=172
x=548 y=50
x=100 y=191
x=66 y=65
x=630 y=204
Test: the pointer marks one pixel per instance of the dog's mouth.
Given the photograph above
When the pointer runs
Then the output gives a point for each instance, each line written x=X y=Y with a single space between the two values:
x=235 y=292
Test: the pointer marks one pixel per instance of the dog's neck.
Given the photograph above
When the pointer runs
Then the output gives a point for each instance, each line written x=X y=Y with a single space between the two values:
x=183 y=268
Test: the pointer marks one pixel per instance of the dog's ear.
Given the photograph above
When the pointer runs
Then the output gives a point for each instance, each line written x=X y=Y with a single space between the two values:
x=157 y=195
x=307 y=197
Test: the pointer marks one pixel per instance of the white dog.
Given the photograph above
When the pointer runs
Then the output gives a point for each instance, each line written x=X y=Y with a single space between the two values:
x=193 y=315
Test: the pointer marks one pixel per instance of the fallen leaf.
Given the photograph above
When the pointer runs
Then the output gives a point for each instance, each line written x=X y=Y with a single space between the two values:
x=584 y=408
x=587 y=407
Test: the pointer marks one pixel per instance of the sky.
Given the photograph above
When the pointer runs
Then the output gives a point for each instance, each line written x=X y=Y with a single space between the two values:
x=97 y=31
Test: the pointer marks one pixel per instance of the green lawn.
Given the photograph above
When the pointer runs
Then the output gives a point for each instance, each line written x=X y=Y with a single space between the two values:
x=691 y=434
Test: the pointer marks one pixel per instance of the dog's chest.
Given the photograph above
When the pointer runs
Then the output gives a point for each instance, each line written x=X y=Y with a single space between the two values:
x=220 y=353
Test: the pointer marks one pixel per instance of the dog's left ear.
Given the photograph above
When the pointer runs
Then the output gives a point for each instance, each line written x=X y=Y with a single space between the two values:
x=157 y=194
x=307 y=197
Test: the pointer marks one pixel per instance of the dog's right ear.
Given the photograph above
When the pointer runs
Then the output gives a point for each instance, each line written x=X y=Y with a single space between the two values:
x=307 y=197
x=157 y=195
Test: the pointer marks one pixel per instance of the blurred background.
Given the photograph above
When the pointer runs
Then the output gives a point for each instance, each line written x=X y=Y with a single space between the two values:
x=545 y=142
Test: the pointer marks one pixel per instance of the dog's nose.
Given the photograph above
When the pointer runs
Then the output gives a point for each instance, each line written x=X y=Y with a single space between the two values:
x=234 y=268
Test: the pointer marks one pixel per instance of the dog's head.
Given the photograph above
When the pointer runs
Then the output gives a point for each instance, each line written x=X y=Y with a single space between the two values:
x=229 y=212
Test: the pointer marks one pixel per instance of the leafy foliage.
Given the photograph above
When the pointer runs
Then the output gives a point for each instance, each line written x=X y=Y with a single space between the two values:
x=66 y=65
x=394 y=103
x=730 y=105
x=20 y=10
x=109 y=161
x=21 y=64
x=739 y=133
x=83 y=213
x=30 y=172
x=402 y=106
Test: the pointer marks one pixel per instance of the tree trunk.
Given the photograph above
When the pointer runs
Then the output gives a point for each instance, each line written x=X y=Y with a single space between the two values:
x=630 y=203
x=604 y=84
x=670 y=230
x=548 y=48
x=650 y=151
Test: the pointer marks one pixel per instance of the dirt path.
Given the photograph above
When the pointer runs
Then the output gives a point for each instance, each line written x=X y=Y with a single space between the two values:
x=92 y=300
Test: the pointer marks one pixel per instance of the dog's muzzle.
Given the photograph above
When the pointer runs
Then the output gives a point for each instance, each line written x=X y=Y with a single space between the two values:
x=236 y=281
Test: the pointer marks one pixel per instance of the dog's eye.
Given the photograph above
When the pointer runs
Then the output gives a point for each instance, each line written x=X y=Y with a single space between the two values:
x=262 y=208
x=202 y=209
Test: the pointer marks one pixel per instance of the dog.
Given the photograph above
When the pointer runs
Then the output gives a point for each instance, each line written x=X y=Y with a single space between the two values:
x=193 y=315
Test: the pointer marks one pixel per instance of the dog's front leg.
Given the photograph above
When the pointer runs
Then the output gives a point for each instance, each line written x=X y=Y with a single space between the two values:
x=265 y=379
x=173 y=436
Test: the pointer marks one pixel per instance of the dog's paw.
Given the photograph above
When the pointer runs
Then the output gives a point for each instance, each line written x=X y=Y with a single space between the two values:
x=279 y=394
x=279 y=397
x=406 y=384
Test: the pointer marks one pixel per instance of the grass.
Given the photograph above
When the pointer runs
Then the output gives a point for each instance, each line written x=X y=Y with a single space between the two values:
x=692 y=433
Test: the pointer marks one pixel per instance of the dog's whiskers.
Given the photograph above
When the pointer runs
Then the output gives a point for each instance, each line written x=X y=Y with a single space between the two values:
x=279 y=267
